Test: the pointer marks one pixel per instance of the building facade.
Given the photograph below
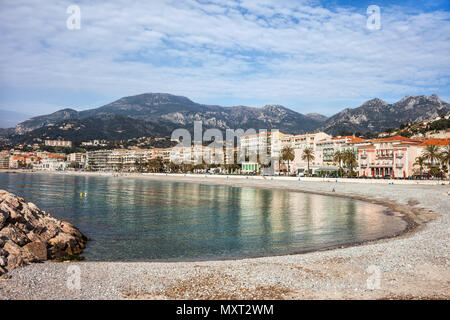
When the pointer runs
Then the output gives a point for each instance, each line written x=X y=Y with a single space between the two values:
x=58 y=143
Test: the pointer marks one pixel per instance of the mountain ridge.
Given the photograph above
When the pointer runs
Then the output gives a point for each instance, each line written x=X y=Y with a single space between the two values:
x=376 y=115
x=163 y=112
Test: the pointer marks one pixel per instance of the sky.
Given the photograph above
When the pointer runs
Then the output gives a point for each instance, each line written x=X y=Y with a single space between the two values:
x=308 y=55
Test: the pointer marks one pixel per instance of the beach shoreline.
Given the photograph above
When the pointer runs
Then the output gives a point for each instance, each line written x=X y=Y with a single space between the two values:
x=313 y=275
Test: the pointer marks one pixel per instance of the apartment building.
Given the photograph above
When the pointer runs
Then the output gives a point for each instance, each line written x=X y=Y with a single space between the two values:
x=23 y=160
x=51 y=164
x=123 y=159
x=302 y=141
x=198 y=154
x=264 y=148
x=58 y=143
x=98 y=160
x=77 y=157
x=160 y=153
x=4 y=160
x=393 y=156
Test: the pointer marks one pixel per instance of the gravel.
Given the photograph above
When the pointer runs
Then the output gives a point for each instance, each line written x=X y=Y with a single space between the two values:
x=414 y=265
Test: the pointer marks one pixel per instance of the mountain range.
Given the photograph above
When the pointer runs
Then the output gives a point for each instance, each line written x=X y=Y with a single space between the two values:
x=376 y=115
x=158 y=114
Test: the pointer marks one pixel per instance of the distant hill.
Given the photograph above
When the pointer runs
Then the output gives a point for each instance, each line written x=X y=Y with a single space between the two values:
x=173 y=112
x=317 y=116
x=41 y=121
x=376 y=115
x=104 y=127
x=158 y=114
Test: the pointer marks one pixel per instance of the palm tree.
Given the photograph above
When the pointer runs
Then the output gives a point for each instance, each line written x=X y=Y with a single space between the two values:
x=155 y=165
x=339 y=157
x=287 y=154
x=432 y=154
x=350 y=159
x=445 y=158
x=420 y=162
x=308 y=155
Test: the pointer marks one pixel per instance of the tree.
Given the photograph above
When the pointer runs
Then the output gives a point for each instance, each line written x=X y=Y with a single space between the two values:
x=173 y=167
x=138 y=165
x=338 y=157
x=432 y=154
x=349 y=158
x=420 y=162
x=120 y=165
x=154 y=165
x=74 y=165
x=445 y=158
x=308 y=155
x=287 y=154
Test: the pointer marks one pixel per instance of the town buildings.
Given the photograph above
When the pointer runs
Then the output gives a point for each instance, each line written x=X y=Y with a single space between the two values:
x=78 y=157
x=259 y=153
x=299 y=144
x=58 y=143
x=4 y=160
x=393 y=156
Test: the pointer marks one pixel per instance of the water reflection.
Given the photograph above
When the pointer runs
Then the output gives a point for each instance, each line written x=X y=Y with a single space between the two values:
x=135 y=219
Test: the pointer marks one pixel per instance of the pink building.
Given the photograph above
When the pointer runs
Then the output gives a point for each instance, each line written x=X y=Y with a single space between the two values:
x=393 y=156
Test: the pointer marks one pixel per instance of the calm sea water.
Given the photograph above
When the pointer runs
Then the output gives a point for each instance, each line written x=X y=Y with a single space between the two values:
x=139 y=220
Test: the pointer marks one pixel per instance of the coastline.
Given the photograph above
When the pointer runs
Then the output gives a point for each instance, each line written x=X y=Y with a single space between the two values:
x=307 y=275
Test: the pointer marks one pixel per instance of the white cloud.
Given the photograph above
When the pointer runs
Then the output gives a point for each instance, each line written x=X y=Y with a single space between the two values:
x=279 y=51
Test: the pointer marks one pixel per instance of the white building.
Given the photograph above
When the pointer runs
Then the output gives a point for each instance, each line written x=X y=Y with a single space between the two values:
x=51 y=164
x=58 y=143
x=301 y=142
x=78 y=157
x=264 y=148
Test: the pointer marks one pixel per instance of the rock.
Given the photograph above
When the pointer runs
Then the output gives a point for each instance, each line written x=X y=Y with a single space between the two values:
x=14 y=201
x=32 y=206
x=15 y=262
x=11 y=248
x=48 y=232
x=33 y=236
x=2 y=273
x=3 y=261
x=37 y=249
x=28 y=234
x=15 y=234
x=3 y=217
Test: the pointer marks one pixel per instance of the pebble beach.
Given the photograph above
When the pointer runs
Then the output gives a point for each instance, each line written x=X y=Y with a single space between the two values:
x=413 y=265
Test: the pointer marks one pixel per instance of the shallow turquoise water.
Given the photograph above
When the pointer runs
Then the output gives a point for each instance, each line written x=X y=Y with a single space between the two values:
x=139 y=220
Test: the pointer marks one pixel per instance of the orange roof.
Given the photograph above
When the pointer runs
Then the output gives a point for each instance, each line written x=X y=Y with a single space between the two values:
x=436 y=142
x=16 y=157
x=357 y=139
x=407 y=143
x=351 y=138
x=395 y=138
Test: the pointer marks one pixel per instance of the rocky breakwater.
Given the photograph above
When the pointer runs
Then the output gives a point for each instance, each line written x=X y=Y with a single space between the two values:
x=28 y=234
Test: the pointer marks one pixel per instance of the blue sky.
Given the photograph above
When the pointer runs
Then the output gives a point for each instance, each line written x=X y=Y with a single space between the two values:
x=311 y=56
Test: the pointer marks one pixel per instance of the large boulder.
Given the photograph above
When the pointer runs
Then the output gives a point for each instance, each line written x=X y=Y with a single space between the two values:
x=28 y=234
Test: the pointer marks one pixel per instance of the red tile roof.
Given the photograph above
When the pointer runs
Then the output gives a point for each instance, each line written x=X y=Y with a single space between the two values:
x=395 y=138
x=436 y=142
